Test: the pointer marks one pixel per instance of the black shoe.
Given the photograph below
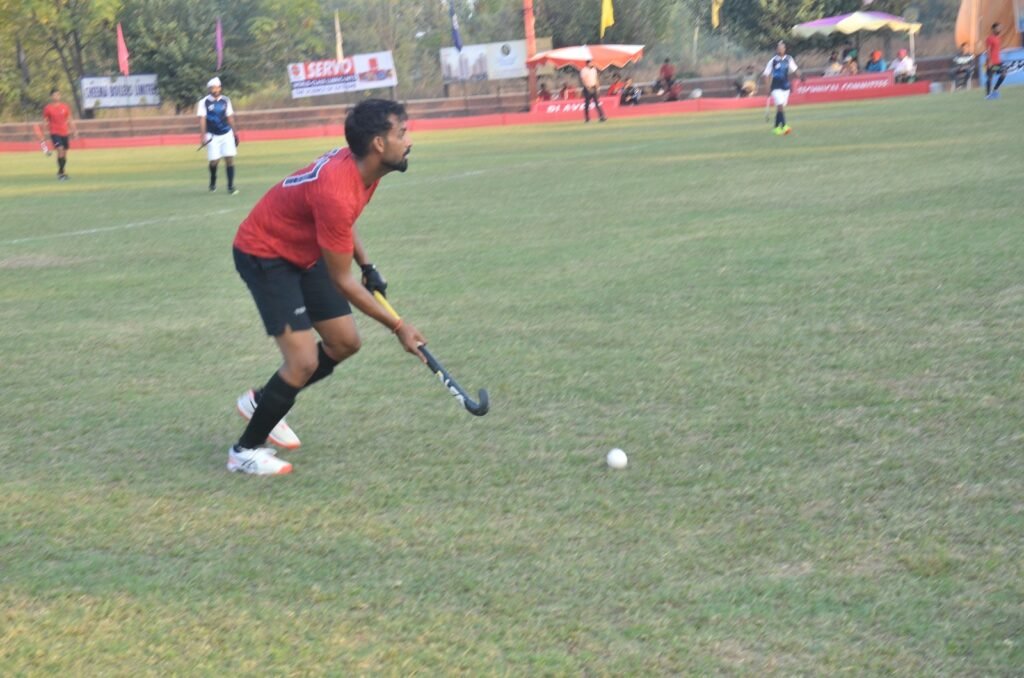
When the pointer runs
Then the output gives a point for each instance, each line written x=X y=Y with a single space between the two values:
x=232 y=190
x=213 y=188
x=62 y=177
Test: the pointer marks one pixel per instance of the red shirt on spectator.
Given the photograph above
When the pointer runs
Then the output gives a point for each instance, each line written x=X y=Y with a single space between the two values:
x=668 y=72
x=615 y=87
x=315 y=208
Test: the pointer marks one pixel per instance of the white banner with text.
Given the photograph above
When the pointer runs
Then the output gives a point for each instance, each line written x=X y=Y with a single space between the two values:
x=124 y=91
x=489 y=61
x=351 y=74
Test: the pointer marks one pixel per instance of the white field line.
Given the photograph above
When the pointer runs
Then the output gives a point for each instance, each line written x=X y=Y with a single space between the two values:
x=119 y=227
x=540 y=162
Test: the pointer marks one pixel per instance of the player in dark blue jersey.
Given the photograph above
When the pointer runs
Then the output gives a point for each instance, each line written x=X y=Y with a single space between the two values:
x=217 y=133
x=776 y=76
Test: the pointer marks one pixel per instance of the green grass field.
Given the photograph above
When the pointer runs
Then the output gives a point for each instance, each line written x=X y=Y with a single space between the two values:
x=809 y=346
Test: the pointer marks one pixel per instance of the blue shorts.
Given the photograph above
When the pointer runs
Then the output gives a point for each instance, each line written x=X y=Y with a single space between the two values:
x=288 y=296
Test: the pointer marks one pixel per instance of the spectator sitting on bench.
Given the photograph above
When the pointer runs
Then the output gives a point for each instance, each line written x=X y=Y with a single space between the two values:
x=850 y=66
x=674 y=91
x=834 y=67
x=875 y=64
x=568 y=91
x=666 y=76
x=616 y=86
x=903 y=68
x=544 y=94
x=746 y=82
x=963 y=68
x=630 y=95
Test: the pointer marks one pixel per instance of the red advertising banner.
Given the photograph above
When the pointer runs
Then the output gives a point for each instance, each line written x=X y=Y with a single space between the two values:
x=849 y=84
x=570 y=108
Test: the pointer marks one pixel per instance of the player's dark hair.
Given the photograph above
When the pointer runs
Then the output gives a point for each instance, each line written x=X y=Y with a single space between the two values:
x=54 y=91
x=370 y=119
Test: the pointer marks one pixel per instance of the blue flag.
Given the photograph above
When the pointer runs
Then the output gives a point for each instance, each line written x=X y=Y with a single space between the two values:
x=456 y=38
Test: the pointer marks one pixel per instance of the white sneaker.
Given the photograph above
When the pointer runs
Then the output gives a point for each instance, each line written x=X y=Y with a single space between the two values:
x=282 y=435
x=260 y=461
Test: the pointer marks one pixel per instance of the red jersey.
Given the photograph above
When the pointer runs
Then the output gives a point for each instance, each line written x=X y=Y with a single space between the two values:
x=57 y=115
x=314 y=208
x=992 y=44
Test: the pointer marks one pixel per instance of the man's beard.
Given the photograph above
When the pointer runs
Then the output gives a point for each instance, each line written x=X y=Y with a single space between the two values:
x=399 y=166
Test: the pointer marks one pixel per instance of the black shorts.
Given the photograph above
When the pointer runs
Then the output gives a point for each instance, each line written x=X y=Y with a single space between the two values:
x=288 y=296
x=60 y=142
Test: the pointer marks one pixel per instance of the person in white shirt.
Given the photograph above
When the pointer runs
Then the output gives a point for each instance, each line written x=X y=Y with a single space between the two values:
x=217 y=133
x=776 y=75
x=591 y=91
x=903 y=67
x=834 y=67
x=963 y=68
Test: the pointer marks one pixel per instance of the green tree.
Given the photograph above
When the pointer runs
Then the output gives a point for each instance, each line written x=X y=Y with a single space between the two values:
x=759 y=24
x=280 y=32
x=175 y=40
x=26 y=74
x=48 y=35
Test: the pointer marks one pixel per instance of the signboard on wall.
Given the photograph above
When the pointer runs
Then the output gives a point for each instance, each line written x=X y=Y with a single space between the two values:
x=489 y=61
x=124 y=91
x=329 y=76
x=849 y=83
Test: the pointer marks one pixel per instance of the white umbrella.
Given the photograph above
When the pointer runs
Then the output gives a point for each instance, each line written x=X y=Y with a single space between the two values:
x=858 y=21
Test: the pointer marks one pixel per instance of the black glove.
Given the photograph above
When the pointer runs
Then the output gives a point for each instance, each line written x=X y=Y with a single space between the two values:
x=373 y=280
x=237 y=141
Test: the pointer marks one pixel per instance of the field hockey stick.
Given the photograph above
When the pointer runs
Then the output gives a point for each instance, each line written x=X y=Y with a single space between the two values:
x=204 y=144
x=478 y=408
x=768 y=109
x=43 y=146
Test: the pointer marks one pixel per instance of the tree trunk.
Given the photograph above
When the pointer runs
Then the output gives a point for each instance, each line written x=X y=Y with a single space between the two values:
x=76 y=55
x=69 y=71
x=26 y=78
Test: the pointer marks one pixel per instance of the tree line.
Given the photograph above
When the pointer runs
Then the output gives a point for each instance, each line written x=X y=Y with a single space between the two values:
x=47 y=43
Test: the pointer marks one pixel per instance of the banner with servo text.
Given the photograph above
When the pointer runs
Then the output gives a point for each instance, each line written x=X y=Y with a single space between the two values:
x=351 y=74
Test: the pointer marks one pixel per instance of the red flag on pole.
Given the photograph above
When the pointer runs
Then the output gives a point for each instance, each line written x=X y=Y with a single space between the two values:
x=122 y=52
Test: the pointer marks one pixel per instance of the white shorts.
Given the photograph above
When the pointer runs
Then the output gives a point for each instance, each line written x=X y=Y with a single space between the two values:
x=221 y=146
x=780 y=97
